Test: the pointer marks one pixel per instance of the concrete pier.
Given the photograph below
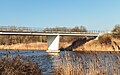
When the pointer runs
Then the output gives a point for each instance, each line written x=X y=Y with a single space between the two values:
x=53 y=43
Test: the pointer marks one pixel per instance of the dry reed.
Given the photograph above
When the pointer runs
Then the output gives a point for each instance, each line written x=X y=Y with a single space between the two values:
x=17 y=66
x=94 y=65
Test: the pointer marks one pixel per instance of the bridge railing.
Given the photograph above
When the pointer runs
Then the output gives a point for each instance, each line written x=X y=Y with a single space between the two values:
x=43 y=30
x=89 y=31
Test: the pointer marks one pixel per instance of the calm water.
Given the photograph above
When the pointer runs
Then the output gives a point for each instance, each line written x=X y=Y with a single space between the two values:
x=47 y=61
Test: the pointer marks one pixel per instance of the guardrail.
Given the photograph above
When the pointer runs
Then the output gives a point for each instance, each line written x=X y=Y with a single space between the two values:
x=62 y=32
x=43 y=30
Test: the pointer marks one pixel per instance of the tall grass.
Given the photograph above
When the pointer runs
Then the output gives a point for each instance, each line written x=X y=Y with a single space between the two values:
x=90 y=65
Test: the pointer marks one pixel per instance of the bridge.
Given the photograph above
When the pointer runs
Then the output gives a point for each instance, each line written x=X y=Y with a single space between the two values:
x=53 y=37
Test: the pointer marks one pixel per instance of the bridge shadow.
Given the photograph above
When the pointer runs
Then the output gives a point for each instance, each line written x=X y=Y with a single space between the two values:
x=116 y=45
x=77 y=43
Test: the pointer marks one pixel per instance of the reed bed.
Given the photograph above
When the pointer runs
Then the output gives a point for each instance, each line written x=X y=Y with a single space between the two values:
x=93 y=64
x=18 y=66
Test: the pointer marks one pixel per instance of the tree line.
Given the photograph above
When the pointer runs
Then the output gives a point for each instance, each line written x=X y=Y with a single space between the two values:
x=67 y=29
x=32 y=29
x=14 y=39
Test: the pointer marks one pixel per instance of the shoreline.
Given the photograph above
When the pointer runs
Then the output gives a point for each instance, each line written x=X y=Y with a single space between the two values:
x=92 y=45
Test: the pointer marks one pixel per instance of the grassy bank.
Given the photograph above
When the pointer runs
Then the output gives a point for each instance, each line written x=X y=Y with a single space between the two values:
x=77 y=44
x=25 y=46
x=106 y=42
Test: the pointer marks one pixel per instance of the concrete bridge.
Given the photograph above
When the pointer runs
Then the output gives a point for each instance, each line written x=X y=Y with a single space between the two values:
x=53 y=38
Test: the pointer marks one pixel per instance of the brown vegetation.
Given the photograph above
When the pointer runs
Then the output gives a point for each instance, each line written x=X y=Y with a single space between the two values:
x=105 y=39
x=17 y=66
x=116 y=31
x=25 y=46
x=80 y=66
x=15 y=39
x=104 y=43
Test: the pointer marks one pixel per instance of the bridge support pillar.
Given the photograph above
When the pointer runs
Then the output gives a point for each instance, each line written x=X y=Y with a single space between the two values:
x=53 y=43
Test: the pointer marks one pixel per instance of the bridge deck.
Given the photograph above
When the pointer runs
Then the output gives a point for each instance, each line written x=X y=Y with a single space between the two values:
x=50 y=34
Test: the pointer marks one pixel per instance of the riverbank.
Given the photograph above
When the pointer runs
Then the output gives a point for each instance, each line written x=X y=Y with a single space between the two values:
x=25 y=46
x=95 y=45
x=92 y=45
x=30 y=46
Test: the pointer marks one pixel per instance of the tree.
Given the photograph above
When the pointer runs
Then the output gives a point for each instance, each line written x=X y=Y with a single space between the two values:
x=116 y=29
x=83 y=29
x=79 y=29
x=75 y=29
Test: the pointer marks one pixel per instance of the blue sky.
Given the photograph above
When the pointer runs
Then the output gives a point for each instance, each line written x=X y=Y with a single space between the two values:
x=93 y=14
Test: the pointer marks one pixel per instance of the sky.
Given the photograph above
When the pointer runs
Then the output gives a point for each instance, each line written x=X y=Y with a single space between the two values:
x=93 y=14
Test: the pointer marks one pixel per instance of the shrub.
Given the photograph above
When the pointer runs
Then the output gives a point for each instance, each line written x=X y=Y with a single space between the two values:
x=116 y=31
x=17 y=66
x=105 y=39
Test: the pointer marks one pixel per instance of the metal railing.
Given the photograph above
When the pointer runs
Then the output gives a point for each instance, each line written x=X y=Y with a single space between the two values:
x=43 y=30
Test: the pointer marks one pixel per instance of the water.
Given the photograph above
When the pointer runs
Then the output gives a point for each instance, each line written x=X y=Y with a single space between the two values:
x=47 y=61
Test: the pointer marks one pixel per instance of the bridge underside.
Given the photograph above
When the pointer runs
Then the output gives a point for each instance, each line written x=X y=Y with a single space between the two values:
x=53 y=43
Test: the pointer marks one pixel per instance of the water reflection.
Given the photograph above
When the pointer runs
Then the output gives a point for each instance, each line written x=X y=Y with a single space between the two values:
x=54 y=54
